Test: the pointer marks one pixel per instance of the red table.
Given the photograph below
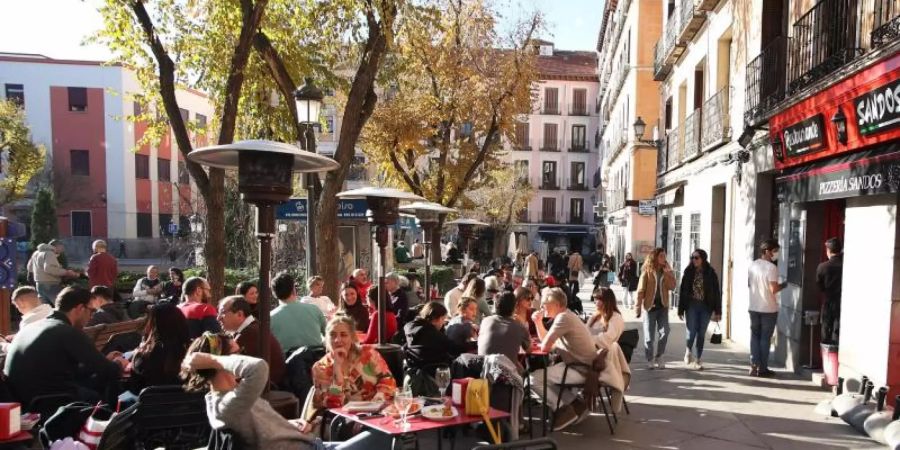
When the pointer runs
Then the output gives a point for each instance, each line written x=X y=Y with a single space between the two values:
x=418 y=424
x=535 y=351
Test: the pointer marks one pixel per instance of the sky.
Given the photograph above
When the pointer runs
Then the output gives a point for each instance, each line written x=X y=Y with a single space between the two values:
x=57 y=28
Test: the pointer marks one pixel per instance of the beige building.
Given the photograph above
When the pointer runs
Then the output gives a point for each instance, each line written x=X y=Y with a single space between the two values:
x=628 y=31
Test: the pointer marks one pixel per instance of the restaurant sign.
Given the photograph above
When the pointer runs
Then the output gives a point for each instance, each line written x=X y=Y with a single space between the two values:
x=867 y=177
x=878 y=109
x=804 y=137
x=295 y=209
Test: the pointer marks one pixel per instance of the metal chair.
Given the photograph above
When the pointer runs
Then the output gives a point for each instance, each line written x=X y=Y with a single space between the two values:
x=530 y=444
x=564 y=385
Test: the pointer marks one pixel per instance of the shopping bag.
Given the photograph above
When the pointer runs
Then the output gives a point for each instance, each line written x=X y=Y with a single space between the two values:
x=716 y=337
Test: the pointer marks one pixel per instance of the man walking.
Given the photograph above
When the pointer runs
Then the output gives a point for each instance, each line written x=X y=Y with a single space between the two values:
x=763 y=282
x=829 y=276
x=103 y=268
x=48 y=273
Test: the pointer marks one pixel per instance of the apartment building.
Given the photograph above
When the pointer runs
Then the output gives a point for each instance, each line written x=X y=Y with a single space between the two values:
x=628 y=30
x=823 y=88
x=555 y=153
x=105 y=187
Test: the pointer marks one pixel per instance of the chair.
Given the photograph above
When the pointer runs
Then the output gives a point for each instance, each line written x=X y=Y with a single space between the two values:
x=575 y=366
x=169 y=417
x=530 y=444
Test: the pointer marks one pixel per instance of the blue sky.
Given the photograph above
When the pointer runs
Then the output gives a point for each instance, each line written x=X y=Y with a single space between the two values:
x=56 y=28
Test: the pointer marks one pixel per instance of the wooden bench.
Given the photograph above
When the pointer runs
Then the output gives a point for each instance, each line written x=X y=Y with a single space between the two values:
x=101 y=334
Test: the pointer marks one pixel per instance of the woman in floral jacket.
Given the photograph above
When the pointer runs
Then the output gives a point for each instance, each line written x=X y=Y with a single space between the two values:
x=349 y=371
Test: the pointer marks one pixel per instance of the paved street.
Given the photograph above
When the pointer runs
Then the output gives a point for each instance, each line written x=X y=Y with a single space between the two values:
x=720 y=407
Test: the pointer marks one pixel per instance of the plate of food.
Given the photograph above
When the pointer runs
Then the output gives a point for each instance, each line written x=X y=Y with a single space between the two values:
x=391 y=410
x=440 y=412
x=363 y=406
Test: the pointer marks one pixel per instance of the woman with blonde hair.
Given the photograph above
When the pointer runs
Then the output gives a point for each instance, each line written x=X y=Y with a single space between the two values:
x=607 y=323
x=654 y=287
x=476 y=289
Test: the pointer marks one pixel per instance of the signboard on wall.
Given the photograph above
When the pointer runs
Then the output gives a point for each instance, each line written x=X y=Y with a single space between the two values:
x=878 y=174
x=795 y=254
x=806 y=136
x=647 y=207
x=295 y=209
x=879 y=109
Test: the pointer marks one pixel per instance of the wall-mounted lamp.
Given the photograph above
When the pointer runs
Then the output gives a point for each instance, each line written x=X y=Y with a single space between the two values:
x=639 y=128
x=840 y=124
x=777 y=149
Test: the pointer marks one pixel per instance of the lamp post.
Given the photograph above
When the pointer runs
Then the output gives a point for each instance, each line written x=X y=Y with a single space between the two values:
x=197 y=231
x=466 y=229
x=265 y=170
x=308 y=99
x=428 y=215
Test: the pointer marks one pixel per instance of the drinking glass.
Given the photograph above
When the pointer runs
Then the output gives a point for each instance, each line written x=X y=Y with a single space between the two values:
x=442 y=379
x=403 y=401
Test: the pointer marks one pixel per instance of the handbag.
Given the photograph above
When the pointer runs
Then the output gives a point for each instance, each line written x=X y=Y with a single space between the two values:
x=93 y=428
x=478 y=403
x=716 y=337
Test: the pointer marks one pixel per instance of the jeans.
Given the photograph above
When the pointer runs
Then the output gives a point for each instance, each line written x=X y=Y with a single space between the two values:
x=656 y=322
x=362 y=441
x=762 y=326
x=628 y=298
x=696 y=321
x=555 y=377
x=48 y=292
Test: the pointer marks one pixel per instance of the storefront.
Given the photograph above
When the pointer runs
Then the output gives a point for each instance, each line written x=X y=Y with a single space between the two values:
x=838 y=156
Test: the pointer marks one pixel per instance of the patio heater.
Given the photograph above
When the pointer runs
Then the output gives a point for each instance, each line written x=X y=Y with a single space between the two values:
x=466 y=229
x=265 y=170
x=383 y=210
x=428 y=215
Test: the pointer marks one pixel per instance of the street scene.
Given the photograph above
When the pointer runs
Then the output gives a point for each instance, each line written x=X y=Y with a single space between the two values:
x=481 y=224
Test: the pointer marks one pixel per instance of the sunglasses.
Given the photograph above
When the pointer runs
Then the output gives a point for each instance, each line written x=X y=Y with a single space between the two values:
x=695 y=257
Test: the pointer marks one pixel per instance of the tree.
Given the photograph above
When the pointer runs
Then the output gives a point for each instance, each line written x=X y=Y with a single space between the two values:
x=44 y=224
x=457 y=89
x=239 y=52
x=24 y=159
x=499 y=202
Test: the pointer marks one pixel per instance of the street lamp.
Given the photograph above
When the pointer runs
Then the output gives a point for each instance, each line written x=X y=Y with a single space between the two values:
x=383 y=210
x=840 y=125
x=428 y=215
x=265 y=169
x=466 y=229
x=308 y=99
x=639 y=128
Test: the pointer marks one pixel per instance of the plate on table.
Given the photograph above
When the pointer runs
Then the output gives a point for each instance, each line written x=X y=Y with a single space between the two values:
x=391 y=410
x=439 y=413
x=368 y=407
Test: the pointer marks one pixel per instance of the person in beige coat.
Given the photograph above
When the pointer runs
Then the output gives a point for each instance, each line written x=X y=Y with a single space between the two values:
x=575 y=264
x=654 y=289
x=531 y=266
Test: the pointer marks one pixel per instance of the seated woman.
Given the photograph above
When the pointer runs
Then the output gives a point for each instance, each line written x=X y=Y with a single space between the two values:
x=211 y=363
x=426 y=344
x=157 y=359
x=172 y=288
x=607 y=323
x=250 y=292
x=390 y=319
x=461 y=328
x=352 y=307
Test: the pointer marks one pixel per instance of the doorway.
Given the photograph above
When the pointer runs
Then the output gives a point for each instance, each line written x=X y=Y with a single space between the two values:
x=717 y=229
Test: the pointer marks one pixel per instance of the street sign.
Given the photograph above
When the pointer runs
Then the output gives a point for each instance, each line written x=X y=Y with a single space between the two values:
x=647 y=207
x=295 y=209
x=173 y=228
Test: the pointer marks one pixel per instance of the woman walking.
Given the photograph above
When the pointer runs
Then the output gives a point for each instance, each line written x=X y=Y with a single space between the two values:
x=628 y=277
x=701 y=300
x=654 y=286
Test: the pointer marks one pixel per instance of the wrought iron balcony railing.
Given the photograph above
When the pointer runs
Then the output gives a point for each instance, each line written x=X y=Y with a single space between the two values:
x=824 y=39
x=886 y=26
x=551 y=145
x=691 y=130
x=523 y=145
x=765 y=80
x=716 y=128
x=578 y=146
x=579 y=109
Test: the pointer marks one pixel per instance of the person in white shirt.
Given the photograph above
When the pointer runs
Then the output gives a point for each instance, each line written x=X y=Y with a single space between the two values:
x=315 y=284
x=451 y=298
x=418 y=250
x=30 y=306
x=762 y=278
x=607 y=323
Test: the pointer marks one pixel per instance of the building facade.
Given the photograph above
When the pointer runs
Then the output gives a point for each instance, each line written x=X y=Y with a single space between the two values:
x=554 y=151
x=105 y=187
x=628 y=30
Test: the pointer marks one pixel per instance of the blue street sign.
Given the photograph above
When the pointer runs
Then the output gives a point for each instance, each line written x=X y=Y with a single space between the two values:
x=295 y=209
x=173 y=228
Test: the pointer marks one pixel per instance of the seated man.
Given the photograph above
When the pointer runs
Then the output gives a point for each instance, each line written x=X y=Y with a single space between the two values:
x=107 y=311
x=149 y=288
x=295 y=324
x=315 y=284
x=401 y=253
x=53 y=356
x=30 y=306
x=234 y=314
x=196 y=307
x=501 y=333
x=569 y=336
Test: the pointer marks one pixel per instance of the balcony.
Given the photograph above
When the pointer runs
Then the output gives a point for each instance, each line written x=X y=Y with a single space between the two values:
x=549 y=217
x=691 y=130
x=824 y=40
x=579 y=109
x=522 y=146
x=668 y=49
x=672 y=145
x=690 y=21
x=886 y=26
x=662 y=161
x=615 y=199
x=551 y=110
x=765 y=81
x=550 y=186
x=707 y=5
x=577 y=186
x=716 y=129
x=578 y=146
x=551 y=145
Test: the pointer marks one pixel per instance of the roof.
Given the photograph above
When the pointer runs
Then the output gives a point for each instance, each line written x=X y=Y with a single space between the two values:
x=568 y=65
x=42 y=59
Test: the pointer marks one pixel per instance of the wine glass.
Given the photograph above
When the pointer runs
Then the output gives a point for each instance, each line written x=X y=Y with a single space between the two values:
x=442 y=379
x=403 y=401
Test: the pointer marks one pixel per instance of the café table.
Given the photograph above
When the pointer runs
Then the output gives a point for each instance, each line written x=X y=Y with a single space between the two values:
x=418 y=424
x=535 y=352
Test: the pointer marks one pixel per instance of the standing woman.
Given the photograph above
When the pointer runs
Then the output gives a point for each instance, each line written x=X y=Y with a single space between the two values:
x=654 y=286
x=628 y=276
x=701 y=299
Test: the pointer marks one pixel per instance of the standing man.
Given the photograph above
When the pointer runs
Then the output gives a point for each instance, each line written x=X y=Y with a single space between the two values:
x=763 y=282
x=829 y=276
x=103 y=268
x=48 y=273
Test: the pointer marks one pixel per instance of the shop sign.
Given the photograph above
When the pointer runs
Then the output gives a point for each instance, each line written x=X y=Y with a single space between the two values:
x=647 y=207
x=878 y=109
x=295 y=209
x=877 y=177
x=804 y=137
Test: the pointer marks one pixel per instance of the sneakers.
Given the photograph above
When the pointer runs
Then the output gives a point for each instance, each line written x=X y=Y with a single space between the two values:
x=765 y=373
x=660 y=364
x=688 y=357
x=651 y=365
x=754 y=371
x=697 y=365
x=581 y=410
x=564 y=417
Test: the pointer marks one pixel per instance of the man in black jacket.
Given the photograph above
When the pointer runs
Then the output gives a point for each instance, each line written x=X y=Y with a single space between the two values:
x=829 y=276
x=54 y=356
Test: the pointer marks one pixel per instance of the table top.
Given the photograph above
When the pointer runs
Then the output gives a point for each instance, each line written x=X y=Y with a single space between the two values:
x=417 y=423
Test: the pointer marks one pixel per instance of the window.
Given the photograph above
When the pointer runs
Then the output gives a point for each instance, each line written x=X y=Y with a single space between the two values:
x=521 y=168
x=664 y=232
x=80 y=162
x=184 y=177
x=548 y=180
x=579 y=102
x=550 y=142
x=77 y=99
x=522 y=136
x=81 y=223
x=201 y=121
x=144 y=225
x=164 y=221
x=142 y=167
x=185 y=115
x=695 y=231
x=329 y=124
x=16 y=94
x=576 y=175
x=576 y=210
x=579 y=136
x=138 y=110
x=163 y=169
x=548 y=210
x=676 y=245
x=551 y=101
